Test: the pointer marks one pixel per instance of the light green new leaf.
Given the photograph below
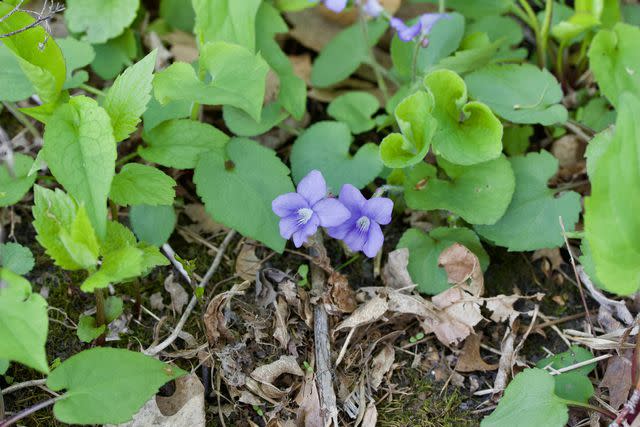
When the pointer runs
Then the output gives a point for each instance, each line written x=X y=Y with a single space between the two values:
x=15 y=184
x=80 y=150
x=598 y=145
x=237 y=78
x=344 y=53
x=100 y=20
x=238 y=190
x=16 y=258
x=153 y=224
x=468 y=132
x=23 y=323
x=119 y=266
x=14 y=84
x=115 y=54
x=521 y=93
x=532 y=220
x=87 y=330
x=355 y=109
x=179 y=143
x=127 y=99
x=242 y=124
x=230 y=21
x=80 y=240
x=157 y=113
x=480 y=193
x=611 y=221
x=107 y=385
x=614 y=59
x=529 y=401
x=325 y=147
x=476 y=51
x=138 y=184
x=424 y=250
x=415 y=119
x=77 y=54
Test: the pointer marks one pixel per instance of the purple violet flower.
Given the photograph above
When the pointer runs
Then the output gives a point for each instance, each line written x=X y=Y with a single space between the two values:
x=335 y=5
x=422 y=27
x=362 y=232
x=372 y=8
x=309 y=207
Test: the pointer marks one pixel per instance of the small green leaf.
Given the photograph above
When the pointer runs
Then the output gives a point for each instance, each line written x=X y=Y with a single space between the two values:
x=115 y=54
x=597 y=114
x=574 y=355
x=516 y=139
x=229 y=21
x=468 y=132
x=113 y=308
x=14 y=184
x=480 y=193
x=16 y=258
x=529 y=401
x=573 y=386
x=121 y=265
x=476 y=52
x=242 y=124
x=324 y=146
x=153 y=224
x=179 y=14
x=139 y=184
x=100 y=20
x=80 y=240
x=77 y=54
x=4 y=366
x=80 y=150
x=521 y=93
x=355 y=109
x=238 y=190
x=87 y=330
x=532 y=220
x=424 y=250
x=14 y=84
x=157 y=113
x=498 y=27
x=107 y=385
x=127 y=99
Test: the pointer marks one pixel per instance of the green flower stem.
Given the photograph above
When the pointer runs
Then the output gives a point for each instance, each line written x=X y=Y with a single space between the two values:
x=195 y=110
x=349 y=261
x=91 y=89
x=372 y=59
x=544 y=33
x=442 y=6
x=125 y=159
x=23 y=119
x=560 y=62
x=414 y=59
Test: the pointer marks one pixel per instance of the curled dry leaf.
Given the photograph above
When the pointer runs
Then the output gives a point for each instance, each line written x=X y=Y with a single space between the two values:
x=343 y=299
x=179 y=296
x=267 y=374
x=281 y=332
x=462 y=266
x=470 y=359
x=308 y=400
x=370 y=418
x=381 y=364
x=369 y=312
x=155 y=301
x=214 y=318
x=457 y=314
x=617 y=378
x=247 y=263
x=395 y=274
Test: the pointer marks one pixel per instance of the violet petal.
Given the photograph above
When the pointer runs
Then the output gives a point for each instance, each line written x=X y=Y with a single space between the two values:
x=352 y=198
x=375 y=238
x=355 y=239
x=336 y=5
x=288 y=204
x=288 y=225
x=331 y=212
x=379 y=209
x=341 y=231
x=313 y=187
x=305 y=231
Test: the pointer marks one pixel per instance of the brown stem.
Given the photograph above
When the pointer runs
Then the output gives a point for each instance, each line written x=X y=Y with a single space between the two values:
x=100 y=315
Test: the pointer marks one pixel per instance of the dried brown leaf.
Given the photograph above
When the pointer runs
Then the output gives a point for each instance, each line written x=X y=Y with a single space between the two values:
x=462 y=266
x=214 y=319
x=458 y=313
x=395 y=274
x=381 y=364
x=247 y=263
x=553 y=255
x=179 y=296
x=618 y=378
x=203 y=222
x=308 y=400
x=370 y=418
x=368 y=312
x=281 y=332
x=267 y=374
x=342 y=296
x=470 y=359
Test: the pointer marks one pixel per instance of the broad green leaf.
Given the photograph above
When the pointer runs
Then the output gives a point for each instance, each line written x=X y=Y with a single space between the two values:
x=151 y=257
x=14 y=184
x=415 y=119
x=324 y=146
x=575 y=354
x=444 y=39
x=597 y=114
x=572 y=385
x=519 y=93
x=107 y=385
x=138 y=184
x=345 y=52
x=113 y=308
x=4 y=366
x=157 y=113
x=153 y=224
x=37 y=53
x=178 y=13
x=80 y=150
x=23 y=323
x=498 y=27
x=229 y=21
x=476 y=51
x=118 y=236
x=355 y=109
x=242 y=124
x=480 y=193
x=16 y=258
x=14 y=85
x=293 y=5
x=114 y=55
x=578 y=24
x=611 y=223
x=532 y=220
x=247 y=180
x=598 y=145
x=631 y=13
x=100 y=20
x=516 y=139
x=127 y=99
x=121 y=265
x=77 y=54
x=468 y=132
x=614 y=59
x=424 y=250
x=529 y=401
x=179 y=143
x=87 y=330
x=238 y=79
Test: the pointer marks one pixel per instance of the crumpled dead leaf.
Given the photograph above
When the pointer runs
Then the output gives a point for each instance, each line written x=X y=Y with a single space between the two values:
x=381 y=364
x=247 y=263
x=281 y=332
x=155 y=301
x=618 y=379
x=267 y=374
x=457 y=314
x=183 y=46
x=179 y=296
x=470 y=359
x=308 y=400
x=368 y=312
x=214 y=319
x=370 y=418
x=553 y=255
x=343 y=299
x=462 y=266
x=395 y=274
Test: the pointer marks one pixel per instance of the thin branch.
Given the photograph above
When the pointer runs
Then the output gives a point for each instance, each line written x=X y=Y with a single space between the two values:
x=31 y=410
x=14 y=10
x=40 y=18
x=20 y=386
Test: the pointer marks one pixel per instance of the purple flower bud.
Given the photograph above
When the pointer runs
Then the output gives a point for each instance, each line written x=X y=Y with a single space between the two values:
x=372 y=8
x=362 y=232
x=303 y=211
x=421 y=28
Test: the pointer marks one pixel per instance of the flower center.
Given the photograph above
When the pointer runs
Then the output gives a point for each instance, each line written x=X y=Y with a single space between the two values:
x=363 y=223
x=304 y=215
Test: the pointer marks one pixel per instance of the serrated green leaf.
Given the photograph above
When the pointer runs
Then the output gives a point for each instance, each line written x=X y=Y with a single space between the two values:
x=238 y=79
x=614 y=60
x=521 y=93
x=415 y=119
x=80 y=150
x=100 y=20
x=345 y=52
x=611 y=223
x=77 y=54
x=151 y=257
x=115 y=54
x=179 y=143
x=80 y=240
x=424 y=250
x=480 y=193
x=138 y=184
x=324 y=146
x=87 y=330
x=242 y=124
x=153 y=224
x=16 y=258
x=127 y=99
x=14 y=184
x=118 y=236
x=529 y=401
x=229 y=21
x=107 y=385
x=119 y=266
x=246 y=181
x=355 y=109
x=532 y=220
x=468 y=132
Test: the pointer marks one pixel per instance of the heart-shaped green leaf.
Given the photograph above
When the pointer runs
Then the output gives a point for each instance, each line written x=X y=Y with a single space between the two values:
x=77 y=54
x=480 y=193
x=414 y=117
x=100 y=20
x=468 y=132
x=355 y=109
x=16 y=258
x=325 y=147
x=242 y=124
x=572 y=385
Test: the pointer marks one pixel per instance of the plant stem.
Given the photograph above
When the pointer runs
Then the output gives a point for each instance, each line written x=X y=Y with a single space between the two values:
x=91 y=89
x=23 y=119
x=442 y=6
x=544 y=33
x=560 y=63
x=126 y=158
x=414 y=59
x=195 y=110
x=114 y=210
x=100 y=316
x=603 y=411
x=372 y=59
x=25 y=413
